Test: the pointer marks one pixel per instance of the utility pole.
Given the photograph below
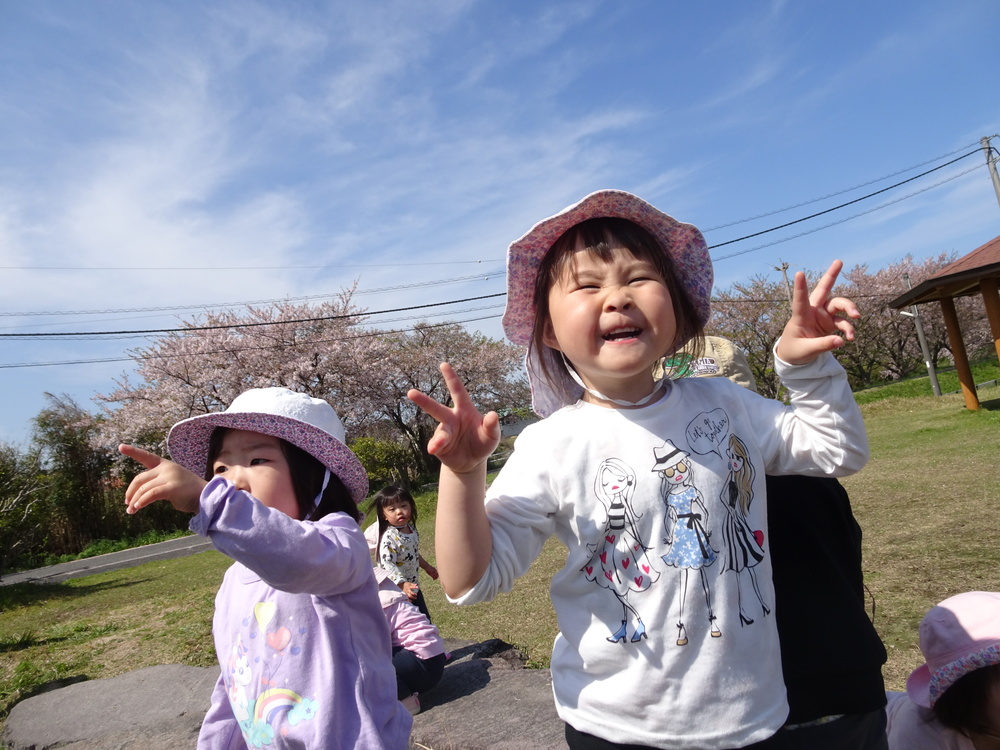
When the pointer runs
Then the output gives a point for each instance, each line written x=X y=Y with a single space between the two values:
x=784 y=272
x=915 y=314
x=991 y=163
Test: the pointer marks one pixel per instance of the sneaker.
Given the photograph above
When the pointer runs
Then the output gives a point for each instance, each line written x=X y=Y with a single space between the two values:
x=412 y=704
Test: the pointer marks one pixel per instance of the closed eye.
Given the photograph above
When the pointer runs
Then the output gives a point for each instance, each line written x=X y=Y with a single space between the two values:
x=644 y=271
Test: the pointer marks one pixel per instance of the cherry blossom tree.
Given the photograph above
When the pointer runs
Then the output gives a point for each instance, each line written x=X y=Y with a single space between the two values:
x=887 y=344
x=207 y=363
x=490 y=369
x=752 y=315
x=322 y=350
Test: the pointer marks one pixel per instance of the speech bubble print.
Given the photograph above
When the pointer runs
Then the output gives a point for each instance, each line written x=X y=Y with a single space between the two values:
x=264 y=612
x=708 y=431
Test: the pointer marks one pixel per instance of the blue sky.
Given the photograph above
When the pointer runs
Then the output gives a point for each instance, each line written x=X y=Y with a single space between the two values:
x=188 y=154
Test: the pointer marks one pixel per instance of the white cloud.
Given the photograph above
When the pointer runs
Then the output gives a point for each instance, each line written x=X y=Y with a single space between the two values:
x=268 y=134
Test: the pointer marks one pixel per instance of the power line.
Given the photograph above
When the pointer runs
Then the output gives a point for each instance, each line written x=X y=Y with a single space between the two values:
x=240 y=268
x=224 y=305
x=450 y=262
x=216 y=305
x=776 y=300
x=188 y=329
x=125 y=336
x=838 y=192
x=367 y=334
x=842 y=205
x=846 y=218
x=77 y=336
x=290 y=345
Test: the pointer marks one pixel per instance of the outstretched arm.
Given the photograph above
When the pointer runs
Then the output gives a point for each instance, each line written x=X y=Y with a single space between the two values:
x=463 y=441
x=817 y=320
x=162 y=480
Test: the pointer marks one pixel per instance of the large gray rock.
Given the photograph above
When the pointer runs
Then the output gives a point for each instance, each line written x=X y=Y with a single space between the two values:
x=156 y=708
x=486 y=699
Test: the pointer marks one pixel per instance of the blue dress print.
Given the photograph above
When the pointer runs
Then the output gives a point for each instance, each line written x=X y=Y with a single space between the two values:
x=690 y=546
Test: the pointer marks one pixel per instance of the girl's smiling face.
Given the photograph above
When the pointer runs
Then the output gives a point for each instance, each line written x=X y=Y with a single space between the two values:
x=612 y=320
x=613 y=481
x=397 y=513
x=256 y=464
x=676 y=474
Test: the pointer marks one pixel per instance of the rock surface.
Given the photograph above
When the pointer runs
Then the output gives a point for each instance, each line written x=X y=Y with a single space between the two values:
x=486 y=699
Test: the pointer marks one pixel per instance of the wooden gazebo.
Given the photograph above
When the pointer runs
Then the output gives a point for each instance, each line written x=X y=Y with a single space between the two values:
x=975 y=273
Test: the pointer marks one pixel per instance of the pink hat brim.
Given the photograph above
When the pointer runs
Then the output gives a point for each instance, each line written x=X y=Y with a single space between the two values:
x=188 y=442
x=918 y=686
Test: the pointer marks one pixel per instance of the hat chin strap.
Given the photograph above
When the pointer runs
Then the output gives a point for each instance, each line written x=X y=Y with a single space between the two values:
x=319 y=497
x=620 y=401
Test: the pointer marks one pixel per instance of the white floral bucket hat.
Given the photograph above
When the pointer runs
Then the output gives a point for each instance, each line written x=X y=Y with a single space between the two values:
x=308 y=423
x=683 y=243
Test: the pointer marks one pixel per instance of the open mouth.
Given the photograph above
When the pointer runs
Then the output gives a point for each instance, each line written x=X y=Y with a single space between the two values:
x=622 y=334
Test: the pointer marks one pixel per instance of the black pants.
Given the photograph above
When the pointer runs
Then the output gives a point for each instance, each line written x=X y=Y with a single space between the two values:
x=413 y=674
x=856 y=732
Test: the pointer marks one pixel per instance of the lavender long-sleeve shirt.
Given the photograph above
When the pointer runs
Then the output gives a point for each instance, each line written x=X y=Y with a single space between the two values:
x=299 y=633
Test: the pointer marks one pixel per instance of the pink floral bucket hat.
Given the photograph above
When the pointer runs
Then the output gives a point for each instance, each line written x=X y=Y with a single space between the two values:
x=683 y=243
x=958 y=636
x=308 y=423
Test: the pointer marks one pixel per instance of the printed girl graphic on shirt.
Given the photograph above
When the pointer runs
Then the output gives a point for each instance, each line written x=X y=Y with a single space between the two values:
x=619 y=562
x=687 y=535
x=744 y=548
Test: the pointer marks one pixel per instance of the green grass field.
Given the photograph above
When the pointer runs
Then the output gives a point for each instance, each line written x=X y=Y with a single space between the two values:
x=926 y=502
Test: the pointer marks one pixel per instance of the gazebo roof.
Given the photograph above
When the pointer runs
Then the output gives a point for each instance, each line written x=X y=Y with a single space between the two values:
x=958 y=279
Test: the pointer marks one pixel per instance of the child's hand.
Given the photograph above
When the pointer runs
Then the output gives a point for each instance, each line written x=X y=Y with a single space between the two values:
x=464 y=438
x=816 y=320
x=411 y=590
x=163 y=480
x=428 y=568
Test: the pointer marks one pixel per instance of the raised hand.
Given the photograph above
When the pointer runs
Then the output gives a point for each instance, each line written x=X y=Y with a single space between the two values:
x=464 y=438
x=162 y=480
x=819 y=323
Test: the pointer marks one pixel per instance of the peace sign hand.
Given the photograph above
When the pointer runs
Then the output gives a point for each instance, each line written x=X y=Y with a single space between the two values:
x=464 y=438
x=817 y=321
